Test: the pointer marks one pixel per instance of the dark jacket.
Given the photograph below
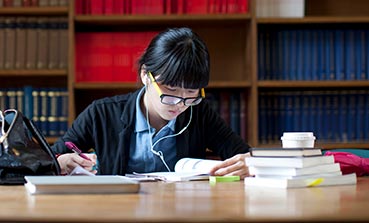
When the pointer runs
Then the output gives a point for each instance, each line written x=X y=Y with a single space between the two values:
x=106 y=126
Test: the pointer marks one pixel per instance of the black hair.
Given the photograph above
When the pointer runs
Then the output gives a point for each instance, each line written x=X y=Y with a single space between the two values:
x=178 y=57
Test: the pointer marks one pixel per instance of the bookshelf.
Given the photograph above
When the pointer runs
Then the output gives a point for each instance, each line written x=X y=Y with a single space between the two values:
x=233 y=41
x=322 y=16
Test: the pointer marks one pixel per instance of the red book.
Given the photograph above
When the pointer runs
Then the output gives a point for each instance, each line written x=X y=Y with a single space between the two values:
x=79 y=7
x=196 y=6
x=225 y=107
x=26 y=3
x=97 y=7
x=100 y=68
x=243 y=6
x=168 y=6
x=122 y=60
x=108 y=7
x=81 y=59
x=118 y=7
x=34 y=3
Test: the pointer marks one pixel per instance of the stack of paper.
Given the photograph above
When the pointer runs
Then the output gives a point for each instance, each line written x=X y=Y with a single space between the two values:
x=294 y=167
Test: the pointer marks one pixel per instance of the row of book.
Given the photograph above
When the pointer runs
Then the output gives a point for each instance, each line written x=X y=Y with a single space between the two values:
x=160 y=7
x=33 y=3
x=232 y=108
x=334 y=116
x=47 y=107
x=33 y=43
x=109 y=56
x=294 y=168
x=313 y=54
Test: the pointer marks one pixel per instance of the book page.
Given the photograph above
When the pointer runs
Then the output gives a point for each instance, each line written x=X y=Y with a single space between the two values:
x=195 y=165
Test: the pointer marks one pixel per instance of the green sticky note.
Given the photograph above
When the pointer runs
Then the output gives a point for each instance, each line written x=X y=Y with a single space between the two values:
x=215 y=179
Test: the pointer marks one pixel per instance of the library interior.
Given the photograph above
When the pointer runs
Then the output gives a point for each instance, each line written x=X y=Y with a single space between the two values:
x=277 y=66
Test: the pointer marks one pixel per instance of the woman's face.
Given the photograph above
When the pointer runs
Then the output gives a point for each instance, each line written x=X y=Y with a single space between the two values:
x=168 y=112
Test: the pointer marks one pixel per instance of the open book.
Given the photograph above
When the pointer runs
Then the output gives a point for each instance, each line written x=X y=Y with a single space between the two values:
x=186 y=169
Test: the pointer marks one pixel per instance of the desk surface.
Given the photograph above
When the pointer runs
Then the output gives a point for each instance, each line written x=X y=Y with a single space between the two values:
x=192 y=201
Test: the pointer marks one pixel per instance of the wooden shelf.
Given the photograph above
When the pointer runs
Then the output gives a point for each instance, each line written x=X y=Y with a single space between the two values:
x=36 y=72
x=313 y=84
x=39 y=11
x=229 y=84
x=314 y=19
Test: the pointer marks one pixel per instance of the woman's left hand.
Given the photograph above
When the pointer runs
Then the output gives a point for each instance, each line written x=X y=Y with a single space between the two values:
x=234 y=166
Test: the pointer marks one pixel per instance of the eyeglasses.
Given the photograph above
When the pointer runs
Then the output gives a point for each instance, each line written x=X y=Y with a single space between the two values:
x=174 y=100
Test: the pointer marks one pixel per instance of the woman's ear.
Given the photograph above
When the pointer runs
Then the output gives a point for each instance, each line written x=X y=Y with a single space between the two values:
x=143 y=76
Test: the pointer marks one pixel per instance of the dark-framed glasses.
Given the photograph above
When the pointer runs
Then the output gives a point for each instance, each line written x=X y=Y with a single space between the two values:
x=174 y=100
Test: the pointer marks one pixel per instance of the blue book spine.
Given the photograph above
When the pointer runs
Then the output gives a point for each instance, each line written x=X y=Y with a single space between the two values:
x=351 y=116
x=235 y=112
x=292 y=55
x=351 y=55
x=28 y=102
x=330 y=47
x=52 y=117
x=322 y=67
x=44 y=111
x=314 y=55
x=263 y=126
x=361 y=54
x=261 y=55
x=342 y=124
x=360 y=111
x=286 y=55
x=63 y=113
x=308 y=55
x=300 y=55
x=339 y=55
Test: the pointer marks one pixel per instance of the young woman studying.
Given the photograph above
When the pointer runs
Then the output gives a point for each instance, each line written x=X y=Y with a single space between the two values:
x=167 y=119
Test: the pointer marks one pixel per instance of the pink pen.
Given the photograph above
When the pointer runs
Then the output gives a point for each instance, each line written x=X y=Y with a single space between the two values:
x=75 y=149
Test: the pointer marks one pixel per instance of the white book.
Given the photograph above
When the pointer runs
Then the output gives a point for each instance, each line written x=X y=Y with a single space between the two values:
x=336 y=173
x=100 y=184
x=292 y=171
x=348 y=179
x=297 y=162
x=186 y=169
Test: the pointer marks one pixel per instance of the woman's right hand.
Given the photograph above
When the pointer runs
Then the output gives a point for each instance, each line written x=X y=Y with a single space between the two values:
x=69 y=161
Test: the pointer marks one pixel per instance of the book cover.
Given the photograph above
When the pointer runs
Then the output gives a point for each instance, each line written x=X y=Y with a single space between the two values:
x=297 y=162
x=348 y=179
x=292 y=171
x=285 y=152
x=100 y=184
x=186 y=169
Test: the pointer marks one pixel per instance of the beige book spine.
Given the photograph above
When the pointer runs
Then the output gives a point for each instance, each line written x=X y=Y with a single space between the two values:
x=17 y=3
x=53 y=2
x=63 y=43
x=2 y=42
x=63 y=2
x=42 y=43
x=20 y=46
x=31 y=45
x=43 y=3
x=54 y=45
x=9 y=43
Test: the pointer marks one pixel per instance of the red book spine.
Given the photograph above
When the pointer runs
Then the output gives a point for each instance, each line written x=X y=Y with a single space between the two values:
x=108 y=7
x=79 y=7
x=8 y=3
x=121 y=56
x=118 y=7
x=196 y=6
x=97 y=7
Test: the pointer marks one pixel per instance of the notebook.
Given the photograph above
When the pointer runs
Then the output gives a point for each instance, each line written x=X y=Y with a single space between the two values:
x=100 y=184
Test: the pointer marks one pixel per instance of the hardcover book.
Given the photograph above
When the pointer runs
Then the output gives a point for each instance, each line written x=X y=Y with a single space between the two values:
x=348 y=179
x=285 y=152
x=101 y=184
x=297 y=162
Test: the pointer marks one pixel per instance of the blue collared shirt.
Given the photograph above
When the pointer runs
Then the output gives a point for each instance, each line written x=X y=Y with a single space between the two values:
x=141 y=159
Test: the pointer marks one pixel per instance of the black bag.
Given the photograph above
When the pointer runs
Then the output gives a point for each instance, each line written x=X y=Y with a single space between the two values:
x=23 y=149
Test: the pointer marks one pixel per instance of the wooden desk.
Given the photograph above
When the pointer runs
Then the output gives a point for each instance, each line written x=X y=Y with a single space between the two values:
x=192 y=201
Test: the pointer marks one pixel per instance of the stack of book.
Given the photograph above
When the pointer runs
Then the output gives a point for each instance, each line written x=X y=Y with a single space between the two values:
x=294 y=167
